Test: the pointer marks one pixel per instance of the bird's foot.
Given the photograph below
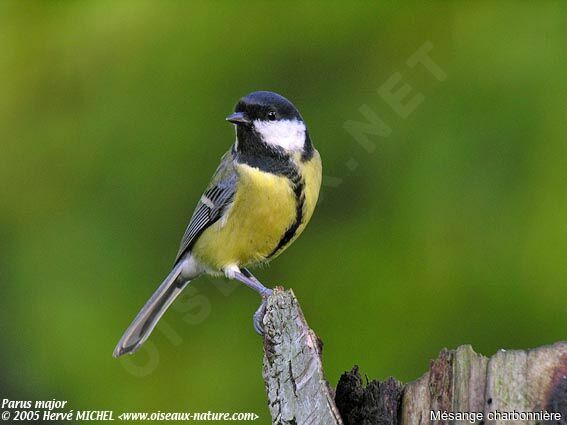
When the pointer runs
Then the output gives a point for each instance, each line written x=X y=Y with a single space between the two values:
x=244 y=276
x=261 y=312
x=258 y=318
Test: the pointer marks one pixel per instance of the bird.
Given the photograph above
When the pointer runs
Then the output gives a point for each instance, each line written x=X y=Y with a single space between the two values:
x=259 y=200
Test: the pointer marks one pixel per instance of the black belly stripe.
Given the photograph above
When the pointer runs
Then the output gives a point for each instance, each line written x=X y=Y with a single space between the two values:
x=279 y=163
x=299 y=192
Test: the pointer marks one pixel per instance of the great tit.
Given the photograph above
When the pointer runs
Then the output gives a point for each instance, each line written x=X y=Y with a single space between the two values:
x=258 y=202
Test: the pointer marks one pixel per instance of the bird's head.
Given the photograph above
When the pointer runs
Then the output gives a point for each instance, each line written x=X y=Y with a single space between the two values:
x=268 y=119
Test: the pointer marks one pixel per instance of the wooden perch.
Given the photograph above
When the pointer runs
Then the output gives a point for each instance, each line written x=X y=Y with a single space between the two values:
x=293 y=372
x=461 y=387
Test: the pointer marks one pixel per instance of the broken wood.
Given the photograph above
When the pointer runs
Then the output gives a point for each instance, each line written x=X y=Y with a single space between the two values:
x=461 y=386
x=297 y=390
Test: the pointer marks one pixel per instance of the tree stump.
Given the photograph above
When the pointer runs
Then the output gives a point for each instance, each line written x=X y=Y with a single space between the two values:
x=461 y=387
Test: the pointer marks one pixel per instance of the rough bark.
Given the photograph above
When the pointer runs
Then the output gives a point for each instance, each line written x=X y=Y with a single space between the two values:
x=518 y=380
x=297 y=390
x=458 y=381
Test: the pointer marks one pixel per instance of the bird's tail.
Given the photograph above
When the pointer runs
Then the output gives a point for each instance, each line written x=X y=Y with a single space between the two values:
x=146 y=320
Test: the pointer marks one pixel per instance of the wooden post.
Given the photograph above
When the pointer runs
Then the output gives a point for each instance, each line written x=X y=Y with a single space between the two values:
x=297 y=390
x=461 y=387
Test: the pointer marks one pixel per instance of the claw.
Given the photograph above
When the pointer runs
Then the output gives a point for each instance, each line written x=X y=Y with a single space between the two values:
x=265 y=294
x=258 y=318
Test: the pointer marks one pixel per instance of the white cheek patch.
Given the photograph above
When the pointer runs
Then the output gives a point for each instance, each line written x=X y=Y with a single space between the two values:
x=289 y=135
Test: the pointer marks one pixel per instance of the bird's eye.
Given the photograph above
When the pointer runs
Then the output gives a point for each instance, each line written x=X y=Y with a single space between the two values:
x=272 y=116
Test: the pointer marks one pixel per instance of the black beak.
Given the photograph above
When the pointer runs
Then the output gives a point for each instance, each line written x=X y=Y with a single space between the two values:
x=238 y=118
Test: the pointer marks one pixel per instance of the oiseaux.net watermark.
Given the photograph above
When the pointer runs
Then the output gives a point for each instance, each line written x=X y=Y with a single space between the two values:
x=400 y=97
x=30 y=411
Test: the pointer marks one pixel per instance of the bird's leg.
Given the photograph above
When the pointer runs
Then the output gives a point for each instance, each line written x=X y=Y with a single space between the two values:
x=249 y=280
x=259 y=314
x=243 y=275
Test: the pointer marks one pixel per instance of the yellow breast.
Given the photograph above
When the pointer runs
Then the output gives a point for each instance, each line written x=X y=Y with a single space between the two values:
x=264 y=207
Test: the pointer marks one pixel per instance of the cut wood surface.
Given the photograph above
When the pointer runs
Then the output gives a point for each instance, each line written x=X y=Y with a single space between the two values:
x=461 y=387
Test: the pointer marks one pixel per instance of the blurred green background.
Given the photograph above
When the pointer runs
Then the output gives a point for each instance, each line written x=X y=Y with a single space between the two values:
x=452 y=231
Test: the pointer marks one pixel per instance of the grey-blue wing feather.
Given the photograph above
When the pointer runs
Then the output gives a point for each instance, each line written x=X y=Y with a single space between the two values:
x=216 y=198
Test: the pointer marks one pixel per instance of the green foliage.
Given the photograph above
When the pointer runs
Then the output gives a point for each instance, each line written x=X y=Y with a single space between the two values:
x=451 y=231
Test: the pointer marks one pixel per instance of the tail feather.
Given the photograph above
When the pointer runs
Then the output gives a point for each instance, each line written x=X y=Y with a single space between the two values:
x=148 y=317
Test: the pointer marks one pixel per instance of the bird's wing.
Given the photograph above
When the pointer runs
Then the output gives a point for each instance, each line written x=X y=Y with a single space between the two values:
x=213 y=203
